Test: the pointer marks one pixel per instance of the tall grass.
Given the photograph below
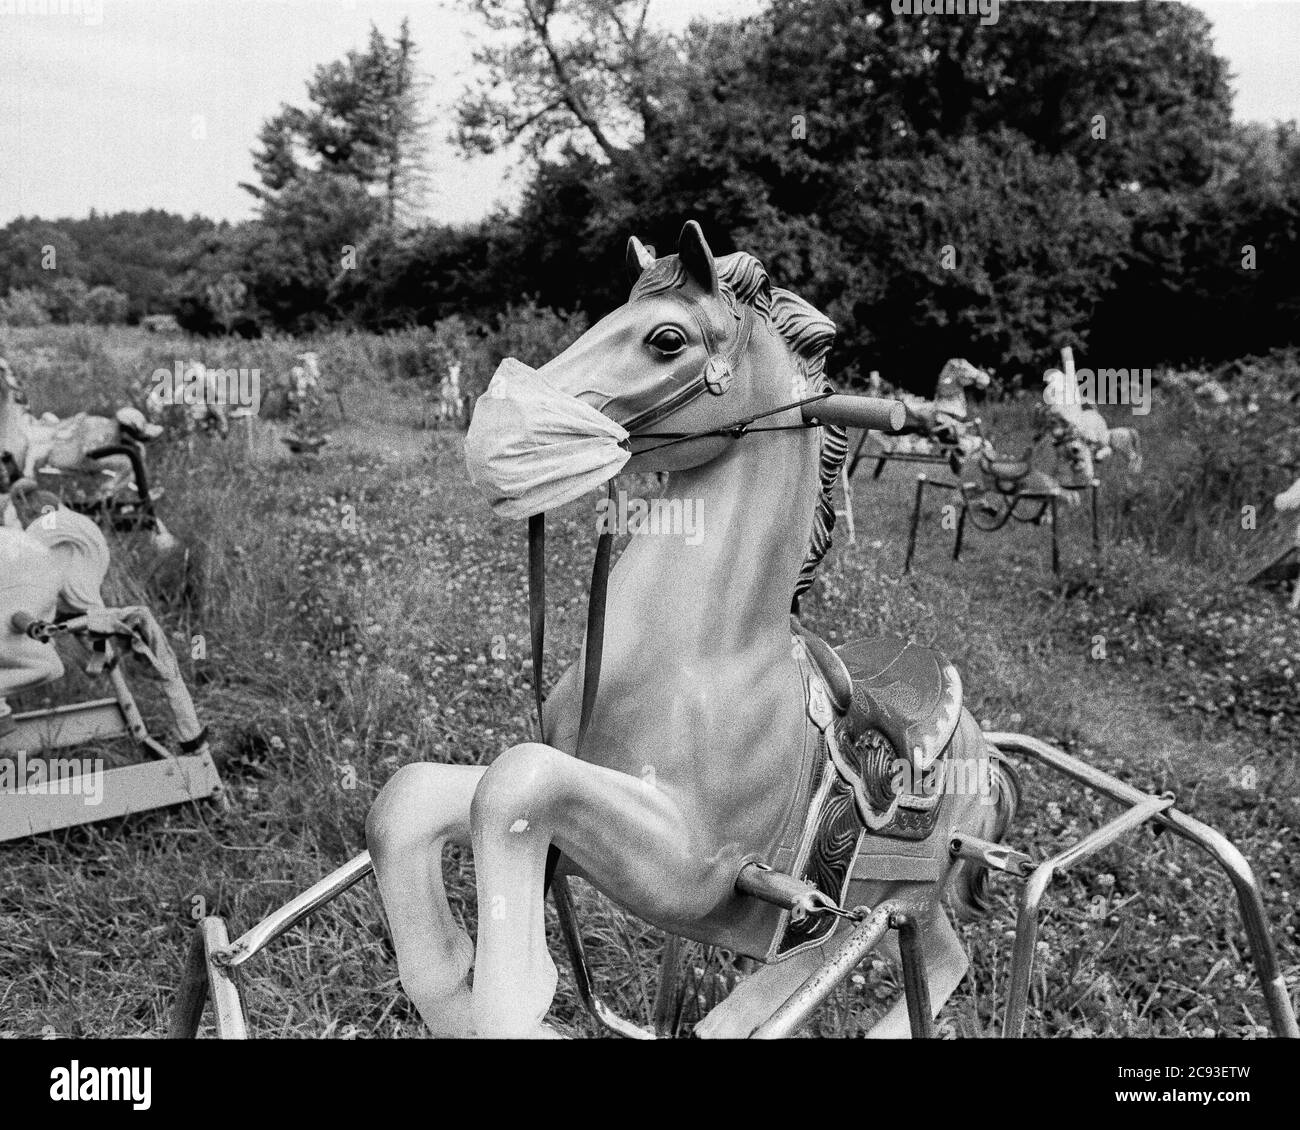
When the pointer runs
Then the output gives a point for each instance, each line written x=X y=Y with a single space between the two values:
x=341 y=616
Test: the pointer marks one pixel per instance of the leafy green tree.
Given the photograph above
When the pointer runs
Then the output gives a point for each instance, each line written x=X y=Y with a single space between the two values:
x=362 y=122
x=590 y=73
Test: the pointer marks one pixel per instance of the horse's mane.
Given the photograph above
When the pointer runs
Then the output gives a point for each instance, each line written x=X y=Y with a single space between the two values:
x=809 y=334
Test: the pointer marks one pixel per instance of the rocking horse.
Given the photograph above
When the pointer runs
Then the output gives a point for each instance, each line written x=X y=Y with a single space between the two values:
x=709 y=764
x=1079 y=432
x=940 y=430
x=94 y=464
x=994 y=489
x=52 y=564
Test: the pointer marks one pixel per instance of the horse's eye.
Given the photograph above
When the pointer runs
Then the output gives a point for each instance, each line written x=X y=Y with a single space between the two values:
x=667 y=340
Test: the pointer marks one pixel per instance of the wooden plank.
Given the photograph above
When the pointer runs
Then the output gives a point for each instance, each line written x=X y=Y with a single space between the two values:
x=65 y=726
x=125 y=791
x=1281 y=566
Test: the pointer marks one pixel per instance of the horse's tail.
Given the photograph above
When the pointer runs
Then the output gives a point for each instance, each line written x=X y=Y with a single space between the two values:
x=968 y=889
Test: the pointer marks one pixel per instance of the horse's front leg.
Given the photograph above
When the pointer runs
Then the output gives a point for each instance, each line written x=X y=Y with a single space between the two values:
x=625 y=834
x=420 y=809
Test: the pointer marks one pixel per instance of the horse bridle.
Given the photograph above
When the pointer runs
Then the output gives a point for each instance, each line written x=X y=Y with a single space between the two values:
x=715 y=377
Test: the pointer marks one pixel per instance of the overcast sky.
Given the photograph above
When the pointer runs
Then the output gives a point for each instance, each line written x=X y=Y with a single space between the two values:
x=157 y=103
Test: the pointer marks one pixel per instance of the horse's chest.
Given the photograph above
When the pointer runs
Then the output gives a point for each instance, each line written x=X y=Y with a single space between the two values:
x=725 y=737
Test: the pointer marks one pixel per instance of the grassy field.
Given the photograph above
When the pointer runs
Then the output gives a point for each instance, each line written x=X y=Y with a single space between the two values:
x=348 y=606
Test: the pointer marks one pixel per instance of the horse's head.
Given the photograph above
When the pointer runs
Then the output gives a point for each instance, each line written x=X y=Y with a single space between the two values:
x=1078 y=456
x=958 y=373
x=700 y=343
x=134 y=425
x=664 y=383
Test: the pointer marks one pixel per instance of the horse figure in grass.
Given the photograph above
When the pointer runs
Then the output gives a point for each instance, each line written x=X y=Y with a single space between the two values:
x=94 y=462
x=51 y=560
x=943 y=423
x=1080 y=434
x=723 y=732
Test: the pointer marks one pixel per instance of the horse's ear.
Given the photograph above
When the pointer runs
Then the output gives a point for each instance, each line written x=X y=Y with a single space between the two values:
x=640 y=258
x=697 y=258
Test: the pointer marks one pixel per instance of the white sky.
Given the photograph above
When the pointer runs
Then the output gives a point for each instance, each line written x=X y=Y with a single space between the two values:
x=102 y=112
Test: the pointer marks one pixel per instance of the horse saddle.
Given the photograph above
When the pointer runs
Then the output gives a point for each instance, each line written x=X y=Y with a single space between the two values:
x=1002 y=469
x=894 y=707
x=887 y=710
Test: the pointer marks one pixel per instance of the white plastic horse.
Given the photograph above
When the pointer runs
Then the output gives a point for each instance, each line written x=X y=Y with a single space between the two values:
x=62 y=446
x=1080 y=431
x=56 y=564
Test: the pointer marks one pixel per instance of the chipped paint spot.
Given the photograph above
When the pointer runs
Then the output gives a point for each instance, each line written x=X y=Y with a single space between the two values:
x=519 y=826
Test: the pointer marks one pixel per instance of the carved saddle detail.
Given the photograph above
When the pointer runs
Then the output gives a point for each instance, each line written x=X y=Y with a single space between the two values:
x=887 y=711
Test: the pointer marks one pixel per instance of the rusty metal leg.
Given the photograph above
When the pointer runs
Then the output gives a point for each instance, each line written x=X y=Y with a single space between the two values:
x=253 y=941
x=916 y=986
x=187 y=1012
x=667 y=989
x=1264 y=954
x=1022 y=956
x=916 y=520
x=880 y=467
x=1096 y=525
x=582 y=971
x=1031 y=898
x=839 y=963
x=959 y=540
x=227 y=1008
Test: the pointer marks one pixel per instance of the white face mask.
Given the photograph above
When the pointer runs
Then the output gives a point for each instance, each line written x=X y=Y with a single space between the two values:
x=531 y=447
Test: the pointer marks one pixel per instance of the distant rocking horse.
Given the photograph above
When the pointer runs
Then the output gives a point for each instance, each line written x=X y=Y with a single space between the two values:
x=52 y=564
x=994 y=489
x=96 y=463
x=940 y=430
x=1079 y=432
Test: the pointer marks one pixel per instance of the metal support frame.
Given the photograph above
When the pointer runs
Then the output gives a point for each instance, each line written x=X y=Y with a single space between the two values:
x=206 y=975
x=212 y=959
x=843 y=955
x=166 y=779
x=1050 y=500
x=605 y=1016
x=1142 y=808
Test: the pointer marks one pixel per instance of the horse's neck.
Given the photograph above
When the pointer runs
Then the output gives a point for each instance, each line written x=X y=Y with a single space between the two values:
x=14 y=417
x=730 y=593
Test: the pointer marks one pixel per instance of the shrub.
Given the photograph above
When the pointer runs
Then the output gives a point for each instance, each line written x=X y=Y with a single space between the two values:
x=106 y=305
x=532 y=333
x=26 y=307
